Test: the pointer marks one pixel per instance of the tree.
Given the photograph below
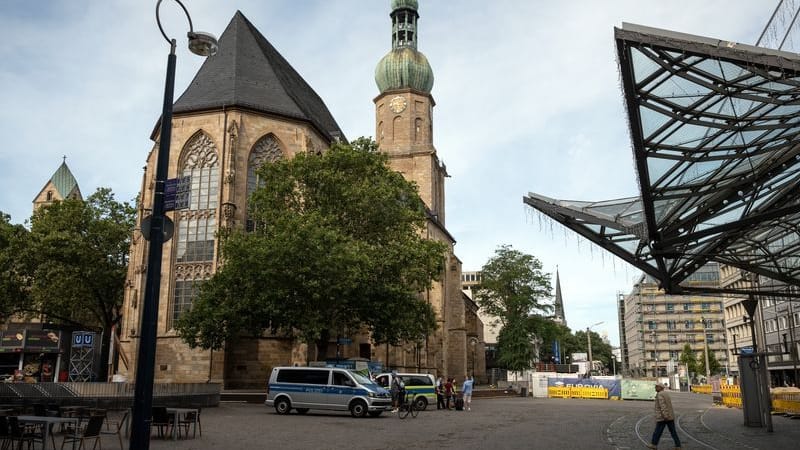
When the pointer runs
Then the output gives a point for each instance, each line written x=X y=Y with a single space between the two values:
x=336 y=248
x=77 y=261
x=714 y=366
x=689 y=359
x=600 y=349
x=13 y=283
x=513 y=288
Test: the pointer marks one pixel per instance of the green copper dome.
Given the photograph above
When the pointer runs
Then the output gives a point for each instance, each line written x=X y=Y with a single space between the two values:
x=412 y=4
x=404 y=68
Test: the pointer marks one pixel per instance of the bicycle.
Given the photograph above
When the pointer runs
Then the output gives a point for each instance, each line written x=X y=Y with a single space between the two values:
x=407 y=406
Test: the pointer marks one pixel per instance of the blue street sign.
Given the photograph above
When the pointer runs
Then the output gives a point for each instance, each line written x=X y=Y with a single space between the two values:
x=746 y=350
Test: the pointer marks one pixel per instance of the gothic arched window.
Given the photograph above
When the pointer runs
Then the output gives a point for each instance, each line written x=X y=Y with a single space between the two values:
x=196 y=226
x=266 y=150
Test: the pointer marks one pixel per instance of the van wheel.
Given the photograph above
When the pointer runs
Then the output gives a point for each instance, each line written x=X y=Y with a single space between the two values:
x=302 y=410
x=358 y=408
x=375 y=413
x=420 y=403
x=283 y=406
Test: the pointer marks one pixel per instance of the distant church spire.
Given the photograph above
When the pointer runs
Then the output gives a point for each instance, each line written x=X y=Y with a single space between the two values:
x=559 y=303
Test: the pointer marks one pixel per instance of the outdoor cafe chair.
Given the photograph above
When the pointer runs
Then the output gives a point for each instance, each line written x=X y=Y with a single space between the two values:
x=91 y=432
x=161 y=420
x=191 y=418
x=114 y=426
x=18 y=434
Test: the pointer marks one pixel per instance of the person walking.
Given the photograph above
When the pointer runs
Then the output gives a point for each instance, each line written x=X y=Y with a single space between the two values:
x=665 y=417
x=448 y=392
x=466 y=391
x=439 y=393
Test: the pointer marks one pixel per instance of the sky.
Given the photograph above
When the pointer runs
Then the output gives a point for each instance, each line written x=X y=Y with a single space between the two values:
x=528 y=99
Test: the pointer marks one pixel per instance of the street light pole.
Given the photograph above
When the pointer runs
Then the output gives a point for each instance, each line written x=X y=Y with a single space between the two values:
x=205 y=45
x=589 y=345
x=705 y=346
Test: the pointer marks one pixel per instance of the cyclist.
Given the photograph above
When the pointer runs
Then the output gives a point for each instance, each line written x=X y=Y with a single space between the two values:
x=398 y=390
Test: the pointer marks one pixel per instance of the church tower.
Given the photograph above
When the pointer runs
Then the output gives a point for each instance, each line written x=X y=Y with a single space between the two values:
x=404 y=109
x=559 y=303
x=61 y=186
x=404 y=131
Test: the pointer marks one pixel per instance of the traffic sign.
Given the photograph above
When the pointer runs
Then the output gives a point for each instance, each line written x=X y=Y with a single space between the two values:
x=746 y=350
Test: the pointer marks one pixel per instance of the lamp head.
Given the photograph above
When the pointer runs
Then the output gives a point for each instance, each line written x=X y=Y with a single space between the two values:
x=202 y=44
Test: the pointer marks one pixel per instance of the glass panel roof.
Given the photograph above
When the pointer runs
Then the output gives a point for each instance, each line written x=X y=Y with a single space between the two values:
x=716 y=126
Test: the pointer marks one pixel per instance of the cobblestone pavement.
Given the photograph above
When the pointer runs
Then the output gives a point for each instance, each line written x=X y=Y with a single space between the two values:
x=497 y=424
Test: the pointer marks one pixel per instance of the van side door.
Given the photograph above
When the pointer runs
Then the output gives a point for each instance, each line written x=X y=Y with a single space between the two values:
x=341 y=390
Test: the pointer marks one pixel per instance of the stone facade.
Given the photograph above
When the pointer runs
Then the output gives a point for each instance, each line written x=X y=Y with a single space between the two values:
x=228 y=139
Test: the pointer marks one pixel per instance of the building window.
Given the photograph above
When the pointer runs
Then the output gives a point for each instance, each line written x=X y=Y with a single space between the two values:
x=49 y=195
x=673 y=338
x=690 y=338
x=673 y=354
x=185 y=291
x=709 y=338
x=197 y=225
x=783 y=323
x=265 y=151
x=686 y=307
x=671 y=325
x=670 y=307
x=651 y=325
x=706 y=306
x=195 y=240
x=689 y=324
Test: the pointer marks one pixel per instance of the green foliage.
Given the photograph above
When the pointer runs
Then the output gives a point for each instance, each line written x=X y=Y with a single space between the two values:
x=337 y=248
x=513 y=289
x=689 y=359
x=713 y=364
x=77 y=258
x=601 y=351
x=13 y=283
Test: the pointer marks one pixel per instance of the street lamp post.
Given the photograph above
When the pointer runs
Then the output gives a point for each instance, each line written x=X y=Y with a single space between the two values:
x=589 y=345
x=705 y=347
x=202 y=44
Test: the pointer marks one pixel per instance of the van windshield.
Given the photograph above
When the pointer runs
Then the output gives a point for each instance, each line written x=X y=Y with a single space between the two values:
x=361 y=379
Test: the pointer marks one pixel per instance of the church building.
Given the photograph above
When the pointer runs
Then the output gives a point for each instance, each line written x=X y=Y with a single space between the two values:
x=247 y=106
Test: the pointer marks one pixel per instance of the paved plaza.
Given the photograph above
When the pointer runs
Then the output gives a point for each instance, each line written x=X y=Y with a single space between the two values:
x=494 y=423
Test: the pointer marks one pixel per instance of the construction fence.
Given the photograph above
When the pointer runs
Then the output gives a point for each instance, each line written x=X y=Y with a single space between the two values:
x=782 y=402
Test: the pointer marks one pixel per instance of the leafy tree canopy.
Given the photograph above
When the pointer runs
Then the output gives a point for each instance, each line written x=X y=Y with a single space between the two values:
x=336 y=247
x=515 y=290
x=713 y=364
x=77 y=258
x=688 y=358
x=13 y=285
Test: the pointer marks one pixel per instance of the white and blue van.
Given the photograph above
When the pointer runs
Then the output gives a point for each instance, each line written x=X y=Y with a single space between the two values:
x=304 y=388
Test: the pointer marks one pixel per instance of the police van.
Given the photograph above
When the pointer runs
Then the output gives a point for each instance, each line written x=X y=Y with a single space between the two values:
x=420 y=385
x=304 y=388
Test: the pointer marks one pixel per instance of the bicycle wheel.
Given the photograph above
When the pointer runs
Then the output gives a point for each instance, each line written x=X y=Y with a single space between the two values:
x=403 y=411
x=414 y=410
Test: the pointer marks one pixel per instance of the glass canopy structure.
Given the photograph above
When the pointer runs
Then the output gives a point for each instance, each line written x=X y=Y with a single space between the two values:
x=715 y=127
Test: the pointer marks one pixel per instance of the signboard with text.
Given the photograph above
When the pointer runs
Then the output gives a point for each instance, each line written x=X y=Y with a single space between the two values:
x=176 y=193
x=42 y=341
x=11 y=341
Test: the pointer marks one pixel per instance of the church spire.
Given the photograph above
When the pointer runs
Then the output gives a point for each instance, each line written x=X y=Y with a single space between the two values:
x=559 y=302
x=404 y=67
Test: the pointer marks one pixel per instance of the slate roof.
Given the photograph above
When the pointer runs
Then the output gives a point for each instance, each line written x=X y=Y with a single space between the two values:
x=248 y=71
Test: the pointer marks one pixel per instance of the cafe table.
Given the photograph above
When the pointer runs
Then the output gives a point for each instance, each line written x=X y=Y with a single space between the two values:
x=47 y=423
